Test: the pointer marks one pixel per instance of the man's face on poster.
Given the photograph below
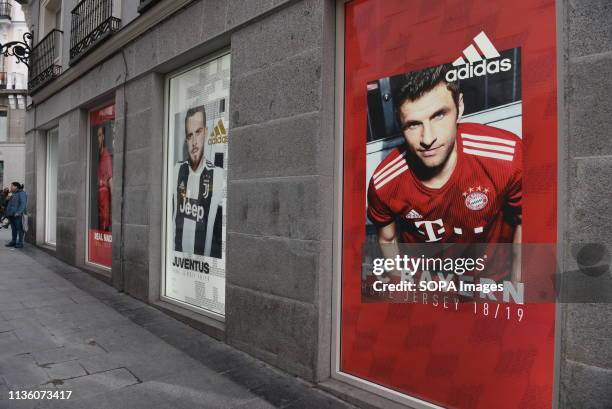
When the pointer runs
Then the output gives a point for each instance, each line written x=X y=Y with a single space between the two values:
x=429 y=125
x=100 y=135
x=195 y=135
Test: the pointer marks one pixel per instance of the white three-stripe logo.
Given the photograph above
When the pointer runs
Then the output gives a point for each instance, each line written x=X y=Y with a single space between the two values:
x=390 y=171
x=471 y=53
x=488 y=146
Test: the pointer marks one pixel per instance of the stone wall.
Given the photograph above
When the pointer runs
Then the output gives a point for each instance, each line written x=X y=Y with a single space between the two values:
x=585 y=198
x=281 y=172
x=280 y=189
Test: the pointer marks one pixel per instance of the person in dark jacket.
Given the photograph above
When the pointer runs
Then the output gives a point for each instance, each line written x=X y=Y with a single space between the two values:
x=14 y=211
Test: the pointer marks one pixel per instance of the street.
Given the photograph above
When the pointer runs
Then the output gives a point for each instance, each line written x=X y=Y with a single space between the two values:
x=63 y=330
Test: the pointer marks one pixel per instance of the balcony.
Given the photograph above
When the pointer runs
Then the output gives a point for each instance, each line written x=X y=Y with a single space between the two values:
x=92 y=22
x=146 y=4
x=44 y=60
x=5 y=10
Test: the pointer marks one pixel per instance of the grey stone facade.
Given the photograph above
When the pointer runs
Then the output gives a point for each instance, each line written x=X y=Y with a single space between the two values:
x=278 y=208
x=281 y=206
x=585 y=204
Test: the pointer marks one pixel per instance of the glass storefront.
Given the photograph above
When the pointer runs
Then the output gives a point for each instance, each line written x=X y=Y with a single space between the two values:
x=196 y=178
x=449 y=165
x=99 y=229
x=51 y=187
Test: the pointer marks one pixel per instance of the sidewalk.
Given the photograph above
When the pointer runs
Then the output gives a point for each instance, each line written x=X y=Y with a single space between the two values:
x=63 y=330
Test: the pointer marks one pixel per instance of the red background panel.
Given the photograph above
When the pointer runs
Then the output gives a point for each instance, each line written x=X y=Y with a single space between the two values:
x=102 y=115
x=100 y=251
x=451 y=358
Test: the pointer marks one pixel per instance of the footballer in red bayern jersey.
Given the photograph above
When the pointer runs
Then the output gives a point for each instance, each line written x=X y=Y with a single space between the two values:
x=450 y=181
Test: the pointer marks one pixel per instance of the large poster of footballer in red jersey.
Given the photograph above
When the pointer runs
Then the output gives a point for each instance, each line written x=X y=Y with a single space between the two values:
x=444 y=162
x=100 y=242
x=449 y=167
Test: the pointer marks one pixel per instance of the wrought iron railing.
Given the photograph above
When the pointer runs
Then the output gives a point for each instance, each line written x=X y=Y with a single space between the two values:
x=146 y=4
x=5 y=9
x=44 y=64
x=92 y=22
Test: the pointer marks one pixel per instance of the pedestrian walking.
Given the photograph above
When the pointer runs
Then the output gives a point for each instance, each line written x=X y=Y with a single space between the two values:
x=15 y=209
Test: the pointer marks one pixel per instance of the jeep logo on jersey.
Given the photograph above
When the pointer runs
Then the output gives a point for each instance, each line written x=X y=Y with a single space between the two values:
x=192 y=210
x=478 y=66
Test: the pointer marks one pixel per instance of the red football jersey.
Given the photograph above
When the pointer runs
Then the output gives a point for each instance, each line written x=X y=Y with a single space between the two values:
x=105 y=172
x=478 y=204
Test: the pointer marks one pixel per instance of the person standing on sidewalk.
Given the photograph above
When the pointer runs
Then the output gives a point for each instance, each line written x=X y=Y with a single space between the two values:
x=14 y=211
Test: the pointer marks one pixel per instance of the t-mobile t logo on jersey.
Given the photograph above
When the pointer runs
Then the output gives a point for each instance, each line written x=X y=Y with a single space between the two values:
x=436 y=234
x=477 y=66
x=430 y=232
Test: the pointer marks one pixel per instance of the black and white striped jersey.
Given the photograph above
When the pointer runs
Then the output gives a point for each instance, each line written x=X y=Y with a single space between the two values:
x=198 y=209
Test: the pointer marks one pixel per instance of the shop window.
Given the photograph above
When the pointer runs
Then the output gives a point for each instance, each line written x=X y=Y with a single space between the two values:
x=99 y=229
x=196 y=169
x=3 y=125
x=51 y=188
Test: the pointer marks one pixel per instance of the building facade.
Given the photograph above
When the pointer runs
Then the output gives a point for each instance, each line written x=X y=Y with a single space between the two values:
x=190 y=153
x=13 y=92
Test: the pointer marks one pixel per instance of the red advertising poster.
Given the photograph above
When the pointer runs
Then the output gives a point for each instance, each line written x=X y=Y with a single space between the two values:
x=100 y=238
x=449 y=167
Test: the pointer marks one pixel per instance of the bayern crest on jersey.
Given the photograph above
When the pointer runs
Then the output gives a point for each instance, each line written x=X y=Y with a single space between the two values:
x=476 y=198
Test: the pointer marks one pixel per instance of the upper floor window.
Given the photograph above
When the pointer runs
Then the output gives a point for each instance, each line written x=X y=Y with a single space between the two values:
x=5 y=9
x=92 y=21
x=3 y=124
x=51 y=19
x=50 y=16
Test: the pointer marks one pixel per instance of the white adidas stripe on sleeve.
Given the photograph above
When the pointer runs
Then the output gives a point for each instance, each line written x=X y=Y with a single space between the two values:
x=489 y=146
x=387 y=172
x=391 y=177
x=488 y=154
x=488 y=139
x=388 y=165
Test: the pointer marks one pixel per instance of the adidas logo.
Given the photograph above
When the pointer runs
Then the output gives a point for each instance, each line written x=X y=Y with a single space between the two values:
x=476 y=66
x=413 y=214
x=218 y=134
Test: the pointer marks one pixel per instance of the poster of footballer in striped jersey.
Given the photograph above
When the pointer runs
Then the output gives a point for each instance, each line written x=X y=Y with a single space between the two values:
x=196 y=189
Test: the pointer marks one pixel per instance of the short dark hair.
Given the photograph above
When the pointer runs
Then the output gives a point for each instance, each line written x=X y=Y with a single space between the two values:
x=17 y=185
x=417 y=83
x=191 y=112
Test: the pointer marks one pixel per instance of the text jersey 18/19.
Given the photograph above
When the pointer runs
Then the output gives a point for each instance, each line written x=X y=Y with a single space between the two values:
x=198 y=209
x=480 y=203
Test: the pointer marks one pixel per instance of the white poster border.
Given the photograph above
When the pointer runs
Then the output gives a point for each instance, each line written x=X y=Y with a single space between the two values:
x=167 y=168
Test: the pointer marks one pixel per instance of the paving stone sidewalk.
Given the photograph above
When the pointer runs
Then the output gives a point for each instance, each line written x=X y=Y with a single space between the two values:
x=63 y=330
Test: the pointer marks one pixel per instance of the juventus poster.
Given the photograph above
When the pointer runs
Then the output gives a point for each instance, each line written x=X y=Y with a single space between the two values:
x=196 y=189
x=449 y=176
